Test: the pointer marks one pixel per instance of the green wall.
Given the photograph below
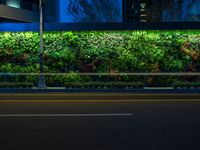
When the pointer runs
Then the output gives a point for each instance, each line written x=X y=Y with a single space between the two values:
x=113 y=52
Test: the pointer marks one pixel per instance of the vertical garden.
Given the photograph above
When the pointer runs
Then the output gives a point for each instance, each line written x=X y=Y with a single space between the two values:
x=67 y=55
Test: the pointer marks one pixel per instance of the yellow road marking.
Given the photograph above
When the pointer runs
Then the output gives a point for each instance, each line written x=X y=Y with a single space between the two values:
x=94 y=101
x=99 y=94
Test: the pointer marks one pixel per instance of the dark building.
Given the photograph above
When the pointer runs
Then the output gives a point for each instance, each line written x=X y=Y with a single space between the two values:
x=128 y=11
x=135 y=10
x=27 y=10
x=24 y=4
x=19 y=10
x=131 y=10
x=161 y=10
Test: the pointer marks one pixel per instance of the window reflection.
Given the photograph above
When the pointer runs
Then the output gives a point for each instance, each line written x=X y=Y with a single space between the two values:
x=134 y=10
x=161 y=10
x=95 y=10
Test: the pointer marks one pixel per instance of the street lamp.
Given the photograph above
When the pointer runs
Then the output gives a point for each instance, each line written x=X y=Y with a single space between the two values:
x=41 y=82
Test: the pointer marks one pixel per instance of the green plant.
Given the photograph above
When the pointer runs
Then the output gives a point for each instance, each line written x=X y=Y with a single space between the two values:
x=16 y=85
x=100 y=52
x=186 y=84
x=101 y=85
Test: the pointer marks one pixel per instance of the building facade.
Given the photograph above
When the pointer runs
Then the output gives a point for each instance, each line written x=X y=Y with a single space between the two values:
x=24 y=4
x=135 y=10
x=28 y=10
x=128 y=11
x=19 y=10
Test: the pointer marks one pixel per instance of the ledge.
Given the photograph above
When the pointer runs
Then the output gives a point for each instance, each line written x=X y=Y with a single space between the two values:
x=18 y=14
x=64 y=90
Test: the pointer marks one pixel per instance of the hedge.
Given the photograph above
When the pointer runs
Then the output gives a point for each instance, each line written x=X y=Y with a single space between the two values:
x=186 y=84
x=16 y=85
x=109 y=85
x=97 y=52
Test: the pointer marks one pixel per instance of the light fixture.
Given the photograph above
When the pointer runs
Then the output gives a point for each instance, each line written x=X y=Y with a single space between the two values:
x=13 y=3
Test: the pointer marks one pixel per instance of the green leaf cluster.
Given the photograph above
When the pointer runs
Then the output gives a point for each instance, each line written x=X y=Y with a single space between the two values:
x=99 y=51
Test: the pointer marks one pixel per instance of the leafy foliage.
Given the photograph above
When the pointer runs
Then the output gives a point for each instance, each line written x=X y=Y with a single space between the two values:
x=110 y=52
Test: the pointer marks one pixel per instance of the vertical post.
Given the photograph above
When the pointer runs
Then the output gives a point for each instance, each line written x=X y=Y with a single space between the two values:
x=41 y=82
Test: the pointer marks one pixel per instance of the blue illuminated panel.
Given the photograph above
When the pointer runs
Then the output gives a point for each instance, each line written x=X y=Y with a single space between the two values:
x=18 y=27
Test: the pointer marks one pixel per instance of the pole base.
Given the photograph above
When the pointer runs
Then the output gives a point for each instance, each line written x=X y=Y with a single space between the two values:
x=41 y=82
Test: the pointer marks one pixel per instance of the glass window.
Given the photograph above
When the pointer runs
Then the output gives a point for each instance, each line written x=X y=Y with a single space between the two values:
x=30 y=5
x=91 y=11
x=161 y=10
x=171 y=10
x=129 y=11
x=26 y=5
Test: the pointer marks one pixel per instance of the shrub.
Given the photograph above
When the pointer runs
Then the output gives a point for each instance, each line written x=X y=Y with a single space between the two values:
x=100 y=85
x=186 y=84
x=16 y=85
x=113 y=52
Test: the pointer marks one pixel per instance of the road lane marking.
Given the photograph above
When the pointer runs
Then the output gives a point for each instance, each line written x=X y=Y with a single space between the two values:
x=99 y=94
x=96 y=101
x=65 y=115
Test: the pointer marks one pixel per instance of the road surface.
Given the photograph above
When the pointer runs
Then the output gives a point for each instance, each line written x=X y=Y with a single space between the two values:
x=99 y=122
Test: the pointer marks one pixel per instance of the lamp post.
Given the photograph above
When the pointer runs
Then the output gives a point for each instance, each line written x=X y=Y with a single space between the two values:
x=41 y=82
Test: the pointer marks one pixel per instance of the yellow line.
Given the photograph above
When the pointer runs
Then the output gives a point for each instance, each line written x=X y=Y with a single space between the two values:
x=77 y=94
x=94 y=101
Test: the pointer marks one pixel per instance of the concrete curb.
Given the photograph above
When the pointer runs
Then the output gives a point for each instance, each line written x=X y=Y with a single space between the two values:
x=97 y=96
x=62 y=90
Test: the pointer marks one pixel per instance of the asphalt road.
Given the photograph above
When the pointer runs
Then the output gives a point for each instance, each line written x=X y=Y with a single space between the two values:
x=120 y=122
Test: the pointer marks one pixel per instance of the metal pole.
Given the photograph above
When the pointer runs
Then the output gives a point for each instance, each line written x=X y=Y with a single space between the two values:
x=41 y=82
